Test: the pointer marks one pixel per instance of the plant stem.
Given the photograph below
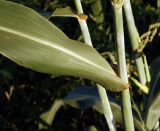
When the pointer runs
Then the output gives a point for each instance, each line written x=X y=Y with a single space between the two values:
x=83 y=24
x=106 y=108
x=142 y=87
x=126 y=103
x=148 y=76
x=135 y=39
x=102 y=92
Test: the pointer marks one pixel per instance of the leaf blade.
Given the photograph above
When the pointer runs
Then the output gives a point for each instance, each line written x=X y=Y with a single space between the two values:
x=48 y=117
x=152 y=114
x=68 y=12
x=33 y=42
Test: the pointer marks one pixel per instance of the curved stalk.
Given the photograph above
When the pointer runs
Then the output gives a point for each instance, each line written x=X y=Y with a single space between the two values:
x=126 y=103
x=102 y=92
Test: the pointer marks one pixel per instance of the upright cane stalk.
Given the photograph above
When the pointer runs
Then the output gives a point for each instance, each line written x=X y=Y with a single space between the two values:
x=135 y=39
x=126 y=103
x=102 y=92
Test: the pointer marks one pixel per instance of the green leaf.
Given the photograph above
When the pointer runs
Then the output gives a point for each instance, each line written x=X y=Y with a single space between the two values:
x=82 y=98
x=68 y=12
x=86 y=97
x=153 y=108
x=6 y=74
x=98 y=12
x=91 y=128
x=49 y=116
x=158 y=3
x=33 y=42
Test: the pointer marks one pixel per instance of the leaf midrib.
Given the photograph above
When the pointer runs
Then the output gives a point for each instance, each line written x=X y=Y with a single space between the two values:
x=50 y=44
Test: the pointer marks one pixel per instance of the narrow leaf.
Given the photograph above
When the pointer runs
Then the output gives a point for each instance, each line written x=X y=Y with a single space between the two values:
x=91 y=128
x=33 y=42
x=152 y=111
x=68 y=12
x=49 y=116
x=138 y=84
x=158 y=3
x=85 y=97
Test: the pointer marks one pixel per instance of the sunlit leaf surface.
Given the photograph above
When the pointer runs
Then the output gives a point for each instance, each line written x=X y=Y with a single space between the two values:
x=33 y=42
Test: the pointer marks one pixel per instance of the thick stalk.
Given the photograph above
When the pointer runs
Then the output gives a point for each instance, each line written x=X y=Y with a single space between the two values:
x=135 y=39
x=102 y=92
x=126 y=103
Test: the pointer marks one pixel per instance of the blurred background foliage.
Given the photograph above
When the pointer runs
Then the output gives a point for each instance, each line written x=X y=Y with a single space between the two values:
x=25 y=94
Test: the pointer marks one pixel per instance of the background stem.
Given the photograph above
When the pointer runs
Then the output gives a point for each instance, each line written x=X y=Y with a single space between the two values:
x=135 y=39
x=102 y=92
x=126 y=103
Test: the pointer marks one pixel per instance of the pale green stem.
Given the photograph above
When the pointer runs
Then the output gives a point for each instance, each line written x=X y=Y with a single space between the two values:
x=126 y=102
x=148 y=77
x=86 y=34
x=106 y=108
x=135 y=39
x=102 y=92
x=83 y=24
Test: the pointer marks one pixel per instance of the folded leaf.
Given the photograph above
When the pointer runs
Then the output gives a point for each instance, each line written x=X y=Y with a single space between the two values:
x=87 y=97
x=152 y=115
x=33 y=42
x=82 y=98
x=49 y=116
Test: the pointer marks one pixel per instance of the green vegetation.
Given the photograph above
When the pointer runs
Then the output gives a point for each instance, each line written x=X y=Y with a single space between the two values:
x=66 y=92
